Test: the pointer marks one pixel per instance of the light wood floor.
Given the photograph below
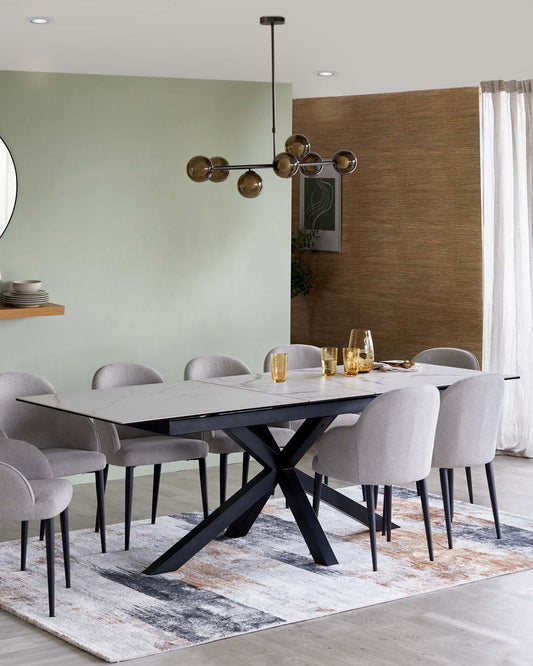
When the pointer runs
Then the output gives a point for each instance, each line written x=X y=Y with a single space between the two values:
x=482 y=624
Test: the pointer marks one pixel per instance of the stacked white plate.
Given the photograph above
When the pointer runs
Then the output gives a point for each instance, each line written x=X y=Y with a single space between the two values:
x=32 y=300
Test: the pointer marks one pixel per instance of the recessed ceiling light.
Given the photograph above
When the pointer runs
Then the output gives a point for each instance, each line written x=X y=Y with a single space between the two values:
x=39 y=20
x=326 y=72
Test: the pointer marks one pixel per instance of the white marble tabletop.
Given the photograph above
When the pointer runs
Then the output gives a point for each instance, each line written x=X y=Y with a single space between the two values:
x=188 y=399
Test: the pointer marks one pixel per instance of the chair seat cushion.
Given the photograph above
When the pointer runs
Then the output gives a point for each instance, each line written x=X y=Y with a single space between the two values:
x=222 y=443
x=67 y=462
x=158 y=449
x=52 y=496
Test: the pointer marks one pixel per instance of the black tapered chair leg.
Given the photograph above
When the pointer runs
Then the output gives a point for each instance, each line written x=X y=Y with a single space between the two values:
x=155 y=490
x=128 y=503
x=99 y=478
x=423 y=492
x=446 y=502
x=468 y=471
x=369 y=491
x=363 y=491
x=326 y=480
x=388 y=495
x=41 y=530
x=450 y=491
x=317 y=492
x=96 y=522
x=203 y=486
x=63 y=518
x=223 y=476
x=23 y=544
x=245 y=467
x=50 y=565
x=494 y=503
x=385 y=510
x=376 y=495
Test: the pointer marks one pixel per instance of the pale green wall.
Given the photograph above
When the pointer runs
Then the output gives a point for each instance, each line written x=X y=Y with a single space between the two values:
x=152 y=267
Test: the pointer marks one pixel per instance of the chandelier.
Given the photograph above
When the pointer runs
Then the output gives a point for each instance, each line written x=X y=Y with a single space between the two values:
x=297 y=155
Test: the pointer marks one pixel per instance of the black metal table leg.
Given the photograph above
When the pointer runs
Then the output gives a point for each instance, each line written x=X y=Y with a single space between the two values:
x=340 y=502
x=182 y=551
x=306 y=518
x=240 y=511
x=242 y=525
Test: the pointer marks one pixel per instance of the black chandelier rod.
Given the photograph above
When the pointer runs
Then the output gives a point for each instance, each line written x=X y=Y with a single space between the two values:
x=231 y=167
x=273 y=92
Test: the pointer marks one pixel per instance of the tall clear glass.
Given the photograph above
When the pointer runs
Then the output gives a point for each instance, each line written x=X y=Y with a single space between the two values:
x=361 y=338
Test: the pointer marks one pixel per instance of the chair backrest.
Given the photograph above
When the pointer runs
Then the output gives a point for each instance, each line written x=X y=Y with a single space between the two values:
x=125 y=374
x=395 y=434
x=25 y=457
x=469 y=417
x=204 y=367
x=300 y=356
x=27 y=422
x=19 y=462
x=45 y=428
x=115 y=375
x=451 y=356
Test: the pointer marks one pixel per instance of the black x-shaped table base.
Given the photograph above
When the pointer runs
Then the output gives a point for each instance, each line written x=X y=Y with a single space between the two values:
x=240 y=511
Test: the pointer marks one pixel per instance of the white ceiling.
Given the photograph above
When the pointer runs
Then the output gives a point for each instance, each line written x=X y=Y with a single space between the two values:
x=376 y=45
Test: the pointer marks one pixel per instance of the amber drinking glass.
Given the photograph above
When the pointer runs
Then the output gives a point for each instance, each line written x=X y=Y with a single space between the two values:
x=329 y=360
x=279 y=364
x=362 y=339
x=351 y=360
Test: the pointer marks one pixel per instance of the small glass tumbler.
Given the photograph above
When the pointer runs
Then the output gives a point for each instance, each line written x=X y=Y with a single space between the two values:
x=351 y=360
x=279 y=364
x=329 y=360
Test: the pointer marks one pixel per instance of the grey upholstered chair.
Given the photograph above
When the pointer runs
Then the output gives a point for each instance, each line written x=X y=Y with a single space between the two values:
x=68 y=441
x=391 y=443
x=466 y=434
x=205 y=367
x=129 y=447
x=29 y=491
x=300 y=356
x=450 y=356
x=454 y=358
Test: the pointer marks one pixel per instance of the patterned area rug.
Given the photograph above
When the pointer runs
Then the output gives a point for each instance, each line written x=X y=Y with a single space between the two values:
x=241 y=585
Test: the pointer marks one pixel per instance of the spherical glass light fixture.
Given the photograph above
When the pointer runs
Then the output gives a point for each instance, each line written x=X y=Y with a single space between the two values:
x=250 y=185
x=199 y=168
x=344 y=161
x=219 y=175
x=285 y=165
x=298 y=145
x=311 y=170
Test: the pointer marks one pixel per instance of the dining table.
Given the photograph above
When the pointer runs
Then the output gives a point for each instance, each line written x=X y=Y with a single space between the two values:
x=243 y=406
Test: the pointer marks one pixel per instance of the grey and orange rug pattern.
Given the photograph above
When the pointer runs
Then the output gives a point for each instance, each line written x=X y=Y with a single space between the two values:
x=265 y=579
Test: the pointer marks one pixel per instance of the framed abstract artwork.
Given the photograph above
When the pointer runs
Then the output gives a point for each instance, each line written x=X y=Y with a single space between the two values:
x=320 y=208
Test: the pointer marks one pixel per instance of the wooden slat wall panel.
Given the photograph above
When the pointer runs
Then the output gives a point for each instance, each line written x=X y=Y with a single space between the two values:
x=410 y=267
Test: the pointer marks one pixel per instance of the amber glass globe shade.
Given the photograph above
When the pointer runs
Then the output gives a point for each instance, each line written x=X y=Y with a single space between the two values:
x=298 y=145
x=311 y=170
x=286 y=165
x=344 y=161
x=218 y=176
x=250 y=185
x=199 y=168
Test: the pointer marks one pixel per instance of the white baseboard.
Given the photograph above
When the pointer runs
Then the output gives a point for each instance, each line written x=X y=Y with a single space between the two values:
x=118 y=472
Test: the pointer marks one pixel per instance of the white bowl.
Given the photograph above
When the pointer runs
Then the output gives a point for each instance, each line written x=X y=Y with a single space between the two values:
x=26 y=286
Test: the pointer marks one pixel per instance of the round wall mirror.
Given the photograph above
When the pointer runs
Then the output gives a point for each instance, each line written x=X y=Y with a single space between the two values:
x=8 y=186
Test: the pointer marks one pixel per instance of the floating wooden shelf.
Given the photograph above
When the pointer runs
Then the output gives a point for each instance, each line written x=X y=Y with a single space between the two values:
x=45 y=310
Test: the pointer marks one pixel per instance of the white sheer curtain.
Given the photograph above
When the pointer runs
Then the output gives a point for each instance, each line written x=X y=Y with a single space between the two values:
x=507 y=193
